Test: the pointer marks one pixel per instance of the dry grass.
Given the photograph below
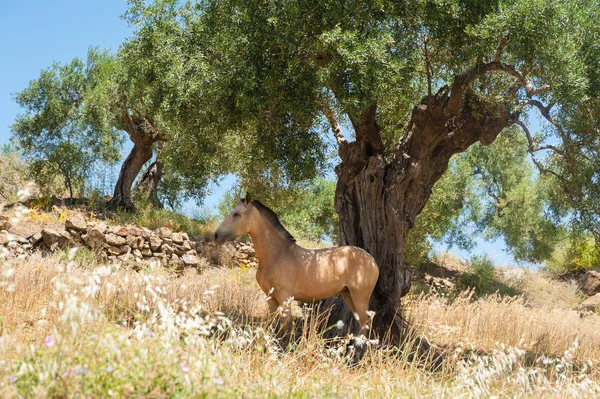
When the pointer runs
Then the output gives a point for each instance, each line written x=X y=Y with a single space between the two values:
x=72 y=329
x=487 y=322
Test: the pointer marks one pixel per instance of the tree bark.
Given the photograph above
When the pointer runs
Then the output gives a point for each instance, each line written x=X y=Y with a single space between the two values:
x=147 y=187
x=379 y=195
x=129 y=170
x=143 y=134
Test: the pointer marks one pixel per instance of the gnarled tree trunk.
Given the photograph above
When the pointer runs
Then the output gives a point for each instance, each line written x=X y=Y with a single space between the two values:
x=146 y=189
x=143 y=134
x=379 y=194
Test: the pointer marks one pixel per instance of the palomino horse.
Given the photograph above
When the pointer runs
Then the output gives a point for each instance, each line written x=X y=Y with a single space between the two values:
x=287 y=271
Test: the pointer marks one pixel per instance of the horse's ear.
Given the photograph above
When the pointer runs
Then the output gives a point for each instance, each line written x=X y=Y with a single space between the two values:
x=248 y=200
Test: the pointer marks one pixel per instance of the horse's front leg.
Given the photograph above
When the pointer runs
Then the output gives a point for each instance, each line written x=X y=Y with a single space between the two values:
x=286 y=308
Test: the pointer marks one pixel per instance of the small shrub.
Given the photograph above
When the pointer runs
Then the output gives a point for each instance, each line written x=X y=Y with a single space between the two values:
x=480 y=276
x=574 y=255
x=81 y=256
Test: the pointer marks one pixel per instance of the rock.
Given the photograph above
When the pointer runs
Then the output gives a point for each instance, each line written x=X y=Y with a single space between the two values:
x=12 y=245
x=167 y=249
x=95 y=237
x=99 y=227
x=146 y=233
x=76 y=222
x=179 y=249
x=138 y=254
x=53 y=238
x=155 y=243
x=163 y=232
x=247 y=249
x=134 y=231
x=190 y=260
x=127 y=257
x=4 y=223
x=27 y=247
x=177 y=238
x=36 y=238
x=592 y=304
x=135 y=242
x=182 y=249
x=146 y=252
x=176 y=261
x=75 y=235
x=122 y=231
x=242 y=255
x=167 y=240
x=590 y=283
x=4 y=237
x=113 y=239
x=111 y=249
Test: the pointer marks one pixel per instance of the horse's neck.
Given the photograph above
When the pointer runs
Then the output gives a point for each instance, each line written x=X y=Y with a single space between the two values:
x=266 y=241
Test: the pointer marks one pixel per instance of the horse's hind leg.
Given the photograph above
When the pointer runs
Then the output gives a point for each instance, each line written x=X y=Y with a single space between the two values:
x=348 y=299
x=361 y=312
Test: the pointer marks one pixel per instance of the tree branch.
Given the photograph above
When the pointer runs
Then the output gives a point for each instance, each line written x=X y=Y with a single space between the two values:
x=335 y=126
x=462 y=81
x=532 y=147
x=500 y=49
x=366 y=129
x=532 y=151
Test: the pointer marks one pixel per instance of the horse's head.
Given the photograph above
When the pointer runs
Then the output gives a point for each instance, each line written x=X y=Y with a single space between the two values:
x=235 y=224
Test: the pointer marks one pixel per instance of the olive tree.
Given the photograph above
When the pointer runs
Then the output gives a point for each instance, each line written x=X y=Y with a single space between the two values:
x=55 y=133
x=415 y=82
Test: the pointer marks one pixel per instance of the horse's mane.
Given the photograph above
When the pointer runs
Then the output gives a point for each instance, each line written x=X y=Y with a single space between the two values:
x=271 y=216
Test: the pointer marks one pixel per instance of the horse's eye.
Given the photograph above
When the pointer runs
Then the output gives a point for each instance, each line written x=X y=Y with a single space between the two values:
x=236 y=215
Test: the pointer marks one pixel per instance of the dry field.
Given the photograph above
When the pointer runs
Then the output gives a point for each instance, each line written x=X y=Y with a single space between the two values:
x=73 y=328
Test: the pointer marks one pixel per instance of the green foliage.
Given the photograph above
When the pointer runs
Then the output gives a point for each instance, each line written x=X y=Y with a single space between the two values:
x=254 y=73
x=55 y=132
x=14 y=174
x=82 y=256
x=574 y=254
x=493 y=191
x=480 y=276
x=307 y=212
x=239 y=87
x=312 y=215
x=518 y=204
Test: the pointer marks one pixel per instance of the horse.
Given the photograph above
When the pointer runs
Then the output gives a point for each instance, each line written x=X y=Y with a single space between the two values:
x=288 y=272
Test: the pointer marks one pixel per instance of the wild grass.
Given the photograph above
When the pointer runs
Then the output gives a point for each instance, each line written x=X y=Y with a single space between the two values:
x=201 y=227
x=70 y=329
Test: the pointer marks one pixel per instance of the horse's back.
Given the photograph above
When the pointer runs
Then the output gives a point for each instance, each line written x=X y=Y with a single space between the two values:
x=348 y=260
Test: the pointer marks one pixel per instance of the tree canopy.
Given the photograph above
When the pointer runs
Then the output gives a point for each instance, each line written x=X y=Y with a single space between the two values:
x=58 y=132
x=264 y=90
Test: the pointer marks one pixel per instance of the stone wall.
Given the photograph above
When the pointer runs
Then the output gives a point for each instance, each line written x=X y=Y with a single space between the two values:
x=121 y=244
x=113 y=243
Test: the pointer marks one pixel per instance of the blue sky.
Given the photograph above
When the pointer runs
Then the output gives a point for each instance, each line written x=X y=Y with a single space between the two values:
x=34 y=34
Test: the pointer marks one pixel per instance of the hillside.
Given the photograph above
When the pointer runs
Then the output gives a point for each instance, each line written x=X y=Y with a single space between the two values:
x=74 y=321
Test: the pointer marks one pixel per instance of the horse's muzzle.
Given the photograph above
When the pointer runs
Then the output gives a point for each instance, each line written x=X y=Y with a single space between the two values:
x=216 y=238
x=220 y=237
